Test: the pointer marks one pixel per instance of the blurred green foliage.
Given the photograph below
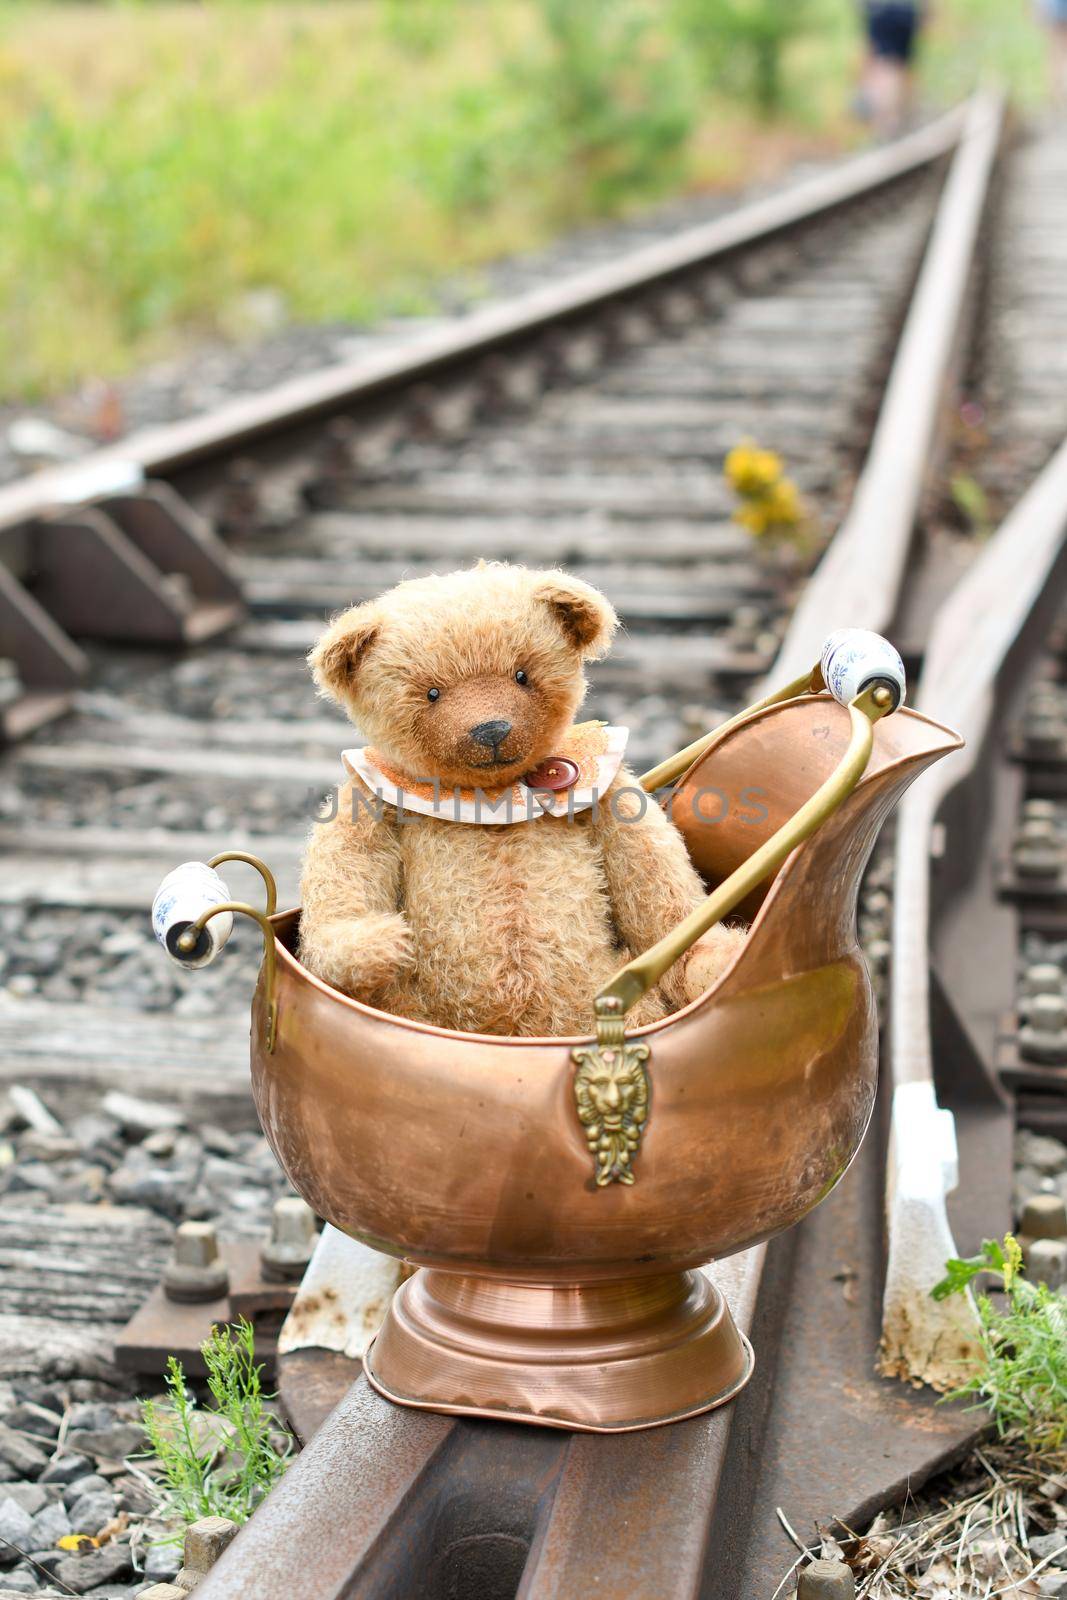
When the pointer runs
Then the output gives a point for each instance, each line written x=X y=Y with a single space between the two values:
x=975 y=39
x=742 y=44
x=610 y=96
x=164 y=163
x=418 y=27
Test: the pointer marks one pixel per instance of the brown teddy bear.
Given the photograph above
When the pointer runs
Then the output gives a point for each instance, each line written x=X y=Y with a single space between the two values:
x=489 y=865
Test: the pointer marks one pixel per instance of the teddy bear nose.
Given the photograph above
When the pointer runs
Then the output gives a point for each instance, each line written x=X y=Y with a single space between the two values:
x=491 y=733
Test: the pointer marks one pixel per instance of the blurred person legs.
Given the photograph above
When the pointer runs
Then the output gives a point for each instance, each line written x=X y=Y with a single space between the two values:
x=1054 y=14
x=886 y=84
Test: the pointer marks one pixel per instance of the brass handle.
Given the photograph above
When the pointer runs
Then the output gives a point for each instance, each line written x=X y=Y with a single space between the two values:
x=187 y=941
x=639 y=975
x=269 y=880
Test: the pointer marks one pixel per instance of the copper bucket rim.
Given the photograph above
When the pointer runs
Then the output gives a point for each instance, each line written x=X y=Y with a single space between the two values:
x=566 y=1041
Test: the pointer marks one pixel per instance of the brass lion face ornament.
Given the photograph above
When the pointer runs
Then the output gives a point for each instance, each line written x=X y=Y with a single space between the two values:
x=560 y=1197
x=611 y=1092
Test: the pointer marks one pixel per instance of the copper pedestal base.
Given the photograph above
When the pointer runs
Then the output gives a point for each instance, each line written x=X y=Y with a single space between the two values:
x=600 y=1357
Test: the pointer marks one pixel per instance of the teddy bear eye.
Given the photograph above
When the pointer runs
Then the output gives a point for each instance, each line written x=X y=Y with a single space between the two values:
x=520 y=677
x=433 y=694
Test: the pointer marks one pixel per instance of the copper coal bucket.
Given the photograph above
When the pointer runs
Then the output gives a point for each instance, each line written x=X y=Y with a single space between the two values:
x=559 y=1196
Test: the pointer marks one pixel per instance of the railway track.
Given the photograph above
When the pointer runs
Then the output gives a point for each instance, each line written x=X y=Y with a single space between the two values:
x=585 y=424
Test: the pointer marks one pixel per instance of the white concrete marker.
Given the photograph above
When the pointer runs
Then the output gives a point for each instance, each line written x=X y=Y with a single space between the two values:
x=935 y=1341
x=343 y=1298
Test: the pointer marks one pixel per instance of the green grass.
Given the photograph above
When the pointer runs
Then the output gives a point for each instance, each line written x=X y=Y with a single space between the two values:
x=223 y=1460
x=1022 y=1373
x=159 y=163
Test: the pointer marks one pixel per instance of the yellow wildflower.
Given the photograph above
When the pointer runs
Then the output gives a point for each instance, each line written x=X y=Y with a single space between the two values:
x=779 y=514
x=771 y=506
x=753 y=516
x=783 y=504
x=752 y=471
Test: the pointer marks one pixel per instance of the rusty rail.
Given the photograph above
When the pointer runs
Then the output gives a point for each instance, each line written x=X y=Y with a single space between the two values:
x=860 y=580
x=985 y=634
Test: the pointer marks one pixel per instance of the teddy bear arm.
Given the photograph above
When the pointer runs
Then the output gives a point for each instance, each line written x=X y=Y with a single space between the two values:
x=353 y=934
x=652 y=883
x=653 y=886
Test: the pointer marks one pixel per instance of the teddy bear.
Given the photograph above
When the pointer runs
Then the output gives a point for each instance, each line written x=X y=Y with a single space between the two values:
x=489 y=863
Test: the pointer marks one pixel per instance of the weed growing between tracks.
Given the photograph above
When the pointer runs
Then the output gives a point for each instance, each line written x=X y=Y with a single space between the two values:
x=1023 y=1373
x=219 y=1461
x=770 y=507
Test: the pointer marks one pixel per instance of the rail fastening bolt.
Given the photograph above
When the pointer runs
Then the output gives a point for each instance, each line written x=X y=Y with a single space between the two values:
x=677 y=308
x=1044 y=1220
x=1045 y=734
x=1044 y=977
x=716 y=291
x=695 y=720
x=578 y=355
x=1043 y=1037
x=336 y=453
x=1044 y=700
x=512 y=382
x=292 y=1239
x=196 y=1270
x=826 y=1580
x=241 y=506
x=1044 y=687
x=630 y=326
x=443 y=413
x=746 y=625
x=1037 y=851
x=879 y=954
x=1046 y=1262
x=204 y=1543
x=1037 y=810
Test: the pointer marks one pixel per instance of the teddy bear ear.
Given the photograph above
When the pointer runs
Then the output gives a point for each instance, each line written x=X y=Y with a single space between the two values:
x=586 y=617
x=336 y=659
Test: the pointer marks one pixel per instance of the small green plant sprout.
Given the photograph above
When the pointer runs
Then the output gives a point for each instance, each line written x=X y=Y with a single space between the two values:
x=1022 y=1372
x=1004 y=1261
x=223 y=1459
x=972 y=504
x=770 y=507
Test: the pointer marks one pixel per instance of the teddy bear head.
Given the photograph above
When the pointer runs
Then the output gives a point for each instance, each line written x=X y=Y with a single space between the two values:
x=471 y=677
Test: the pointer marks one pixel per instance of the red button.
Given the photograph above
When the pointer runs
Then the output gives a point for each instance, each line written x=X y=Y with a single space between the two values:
x=555 y=773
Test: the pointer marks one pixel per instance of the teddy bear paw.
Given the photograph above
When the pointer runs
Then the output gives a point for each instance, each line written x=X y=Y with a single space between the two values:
x=709 y=959
x=360 y=955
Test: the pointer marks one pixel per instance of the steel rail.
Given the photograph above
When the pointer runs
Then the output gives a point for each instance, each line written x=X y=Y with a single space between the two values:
x=993 y=620
x=163 y=451
x=858 y=583
x=666 y=1510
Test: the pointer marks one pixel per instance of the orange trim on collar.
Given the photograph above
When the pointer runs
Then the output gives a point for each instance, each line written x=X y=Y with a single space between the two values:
x=595 y=748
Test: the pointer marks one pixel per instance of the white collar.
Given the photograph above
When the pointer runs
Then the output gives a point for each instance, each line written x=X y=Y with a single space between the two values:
x=594 y=747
